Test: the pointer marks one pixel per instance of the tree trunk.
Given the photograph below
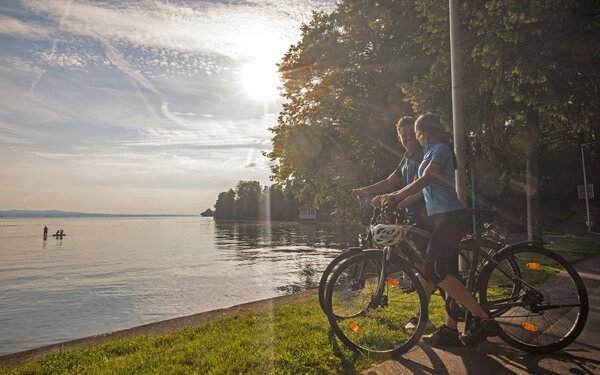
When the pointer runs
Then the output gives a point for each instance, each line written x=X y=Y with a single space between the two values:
x=532 y=177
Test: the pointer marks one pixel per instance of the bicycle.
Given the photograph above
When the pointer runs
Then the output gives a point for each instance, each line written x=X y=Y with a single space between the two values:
x=367 y=245
x=372 y=294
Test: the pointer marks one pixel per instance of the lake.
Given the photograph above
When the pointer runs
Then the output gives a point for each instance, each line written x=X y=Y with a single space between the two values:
x=110 y=274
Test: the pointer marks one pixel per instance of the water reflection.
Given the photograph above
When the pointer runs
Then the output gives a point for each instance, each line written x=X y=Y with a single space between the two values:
x=295 y=252
x=252 y=235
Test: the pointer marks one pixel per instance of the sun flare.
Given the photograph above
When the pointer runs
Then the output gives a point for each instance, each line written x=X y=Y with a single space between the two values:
x=260 y=80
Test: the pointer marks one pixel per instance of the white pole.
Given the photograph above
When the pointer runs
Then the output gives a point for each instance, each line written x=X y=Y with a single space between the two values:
x=457 y=103
x=587 y=205
x=460 y=174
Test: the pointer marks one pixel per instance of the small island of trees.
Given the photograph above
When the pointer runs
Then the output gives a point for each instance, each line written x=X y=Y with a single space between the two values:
x=250 y=201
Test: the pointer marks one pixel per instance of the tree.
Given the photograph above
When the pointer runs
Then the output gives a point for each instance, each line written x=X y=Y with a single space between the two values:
x=224 y=207
x=246 y=203
x=343 y=98
x=531 y=80
x=531 y=92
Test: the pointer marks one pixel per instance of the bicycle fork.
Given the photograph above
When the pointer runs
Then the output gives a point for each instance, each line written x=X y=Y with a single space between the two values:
x=379 y=299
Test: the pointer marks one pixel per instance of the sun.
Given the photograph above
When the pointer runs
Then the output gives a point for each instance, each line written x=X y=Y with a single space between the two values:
x=259 y=80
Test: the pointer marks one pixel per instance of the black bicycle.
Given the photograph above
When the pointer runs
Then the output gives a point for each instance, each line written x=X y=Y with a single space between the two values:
x=418 y=241
x=536 y=296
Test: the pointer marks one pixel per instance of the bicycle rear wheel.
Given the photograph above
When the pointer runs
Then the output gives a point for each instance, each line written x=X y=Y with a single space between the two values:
x=551 y=306
x=374 y=324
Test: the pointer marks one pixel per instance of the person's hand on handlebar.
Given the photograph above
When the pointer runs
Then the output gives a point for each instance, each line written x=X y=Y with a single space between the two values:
x=402 y=204
x=381 y=200
x=357 y=193
x=361 y=196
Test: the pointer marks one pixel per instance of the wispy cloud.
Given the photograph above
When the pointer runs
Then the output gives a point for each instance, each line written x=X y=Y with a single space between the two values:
x=200 y=26
x=16 y=28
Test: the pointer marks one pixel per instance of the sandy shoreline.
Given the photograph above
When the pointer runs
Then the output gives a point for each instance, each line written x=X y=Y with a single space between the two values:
x=152 y=329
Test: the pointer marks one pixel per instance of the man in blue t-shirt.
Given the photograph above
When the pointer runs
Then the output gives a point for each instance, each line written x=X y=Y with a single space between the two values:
x=405 y=172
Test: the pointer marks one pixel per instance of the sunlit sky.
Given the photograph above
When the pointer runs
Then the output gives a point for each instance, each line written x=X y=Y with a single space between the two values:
x=138 y=106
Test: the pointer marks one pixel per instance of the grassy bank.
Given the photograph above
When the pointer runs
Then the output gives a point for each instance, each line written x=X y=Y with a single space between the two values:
x=291 y=339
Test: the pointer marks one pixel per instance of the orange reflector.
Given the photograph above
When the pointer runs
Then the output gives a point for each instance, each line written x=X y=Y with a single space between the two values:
x=393 y=281
x=530 y=327
x=534 y=266
x=353 y=326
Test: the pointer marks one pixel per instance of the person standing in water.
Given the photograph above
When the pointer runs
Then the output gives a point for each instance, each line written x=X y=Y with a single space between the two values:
x=45 y=231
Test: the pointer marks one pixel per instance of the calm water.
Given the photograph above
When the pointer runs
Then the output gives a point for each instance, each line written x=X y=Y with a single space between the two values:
x=114 y=273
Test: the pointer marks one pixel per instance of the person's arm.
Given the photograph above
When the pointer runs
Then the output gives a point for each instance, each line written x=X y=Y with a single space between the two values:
x=389 y=184
x=431 y=173
x=410 y=200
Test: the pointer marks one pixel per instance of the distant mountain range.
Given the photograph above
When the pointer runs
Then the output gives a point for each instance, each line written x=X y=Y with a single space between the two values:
x=57 y=213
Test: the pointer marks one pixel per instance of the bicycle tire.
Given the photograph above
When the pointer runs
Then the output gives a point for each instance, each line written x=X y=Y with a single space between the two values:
x=330 y=268
x=556 y=283
x=491 y=247
x=375 y=330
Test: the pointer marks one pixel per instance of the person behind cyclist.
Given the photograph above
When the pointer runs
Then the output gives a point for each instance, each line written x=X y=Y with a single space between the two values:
x=451 y=223
x=405 y=172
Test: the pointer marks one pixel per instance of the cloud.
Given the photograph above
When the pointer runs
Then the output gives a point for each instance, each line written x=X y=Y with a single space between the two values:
x=15 y=28
x=15 y=65
x=211 y=132
x=196 y=27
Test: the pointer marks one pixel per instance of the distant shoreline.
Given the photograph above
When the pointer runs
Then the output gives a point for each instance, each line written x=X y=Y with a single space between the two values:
x=32 y=214
x=92 y=216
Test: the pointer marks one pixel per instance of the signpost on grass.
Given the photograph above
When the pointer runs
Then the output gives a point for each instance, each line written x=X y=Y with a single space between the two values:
x=586 y=193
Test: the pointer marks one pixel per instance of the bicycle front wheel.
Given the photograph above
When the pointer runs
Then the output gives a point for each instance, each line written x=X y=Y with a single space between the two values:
x=372 y=323
x=551 y=306
x=326 y=276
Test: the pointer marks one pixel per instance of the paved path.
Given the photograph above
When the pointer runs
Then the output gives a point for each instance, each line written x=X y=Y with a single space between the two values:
x=496 y=357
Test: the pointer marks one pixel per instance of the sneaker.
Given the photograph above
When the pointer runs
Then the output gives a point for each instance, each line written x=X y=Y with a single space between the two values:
x=412 y=324
x=479 y=330
x=443 y=336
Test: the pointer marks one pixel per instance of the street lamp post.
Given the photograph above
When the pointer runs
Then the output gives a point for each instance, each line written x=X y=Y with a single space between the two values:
x=457 y=102
x=587 y=204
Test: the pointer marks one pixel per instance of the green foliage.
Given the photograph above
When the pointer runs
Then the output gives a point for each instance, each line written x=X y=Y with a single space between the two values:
x=248 y=202
x=224 y=208
x=530 y=72
x=336 y=130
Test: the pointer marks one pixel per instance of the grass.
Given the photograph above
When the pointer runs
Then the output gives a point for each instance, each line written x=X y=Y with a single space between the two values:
x=291 y=339
x=574 y=251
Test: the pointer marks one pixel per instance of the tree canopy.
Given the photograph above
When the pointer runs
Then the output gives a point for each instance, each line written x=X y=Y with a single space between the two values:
x=531 y=92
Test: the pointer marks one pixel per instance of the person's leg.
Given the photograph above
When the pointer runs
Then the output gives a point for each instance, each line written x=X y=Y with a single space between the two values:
x=457 y=290
x=448 y=232
x=429 y=288
x=438 y=263
x=442 y=268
